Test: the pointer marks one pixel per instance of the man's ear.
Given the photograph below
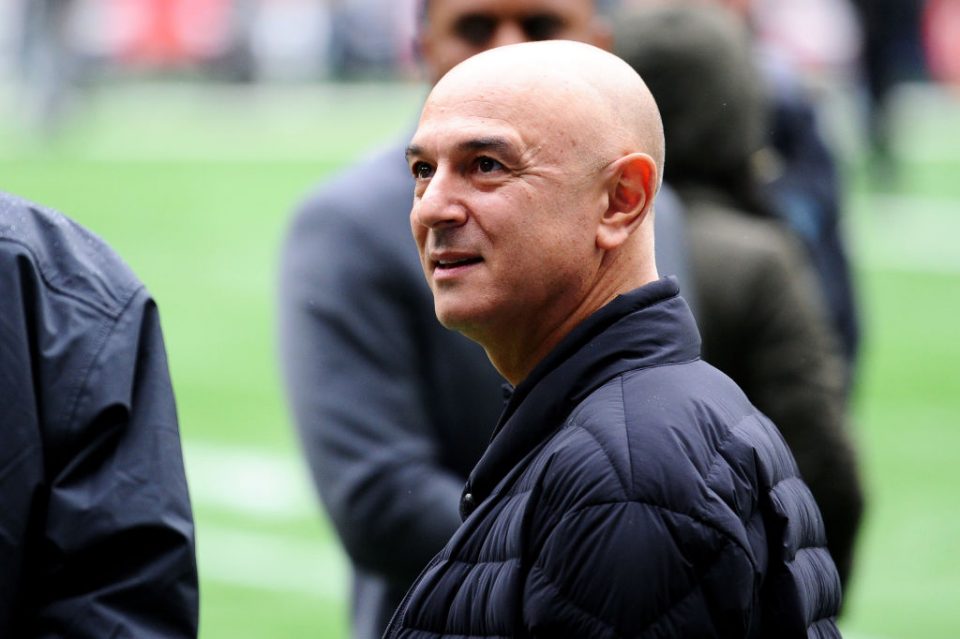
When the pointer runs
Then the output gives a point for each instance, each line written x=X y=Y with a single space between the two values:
x=633 y=182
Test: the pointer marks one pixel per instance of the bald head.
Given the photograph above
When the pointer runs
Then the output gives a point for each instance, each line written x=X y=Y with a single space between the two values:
x=594 y=95
x=536 y=168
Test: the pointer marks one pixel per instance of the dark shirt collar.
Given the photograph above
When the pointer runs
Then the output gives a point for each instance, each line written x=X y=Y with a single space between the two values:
x=646 y=327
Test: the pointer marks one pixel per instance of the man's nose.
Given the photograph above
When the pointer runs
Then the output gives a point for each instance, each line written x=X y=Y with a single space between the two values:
x=508 y=32
x=440 y=205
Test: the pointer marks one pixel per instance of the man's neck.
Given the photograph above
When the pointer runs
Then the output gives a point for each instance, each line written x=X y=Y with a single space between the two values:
x=515 y=352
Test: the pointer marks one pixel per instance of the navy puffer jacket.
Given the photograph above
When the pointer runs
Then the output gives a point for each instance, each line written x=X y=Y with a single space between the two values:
x=631 y=490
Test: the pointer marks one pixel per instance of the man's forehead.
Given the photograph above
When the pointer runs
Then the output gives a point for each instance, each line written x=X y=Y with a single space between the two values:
x=522 y=102
x=479 y=94
x=450 y=131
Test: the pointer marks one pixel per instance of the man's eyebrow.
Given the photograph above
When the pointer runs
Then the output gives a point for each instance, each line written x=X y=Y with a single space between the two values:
x=485 y=144
x=494 y=143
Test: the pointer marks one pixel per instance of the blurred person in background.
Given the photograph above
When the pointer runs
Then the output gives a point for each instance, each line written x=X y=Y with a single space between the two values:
x=761 y=315
x=394 y=410
x=892 y=53
x=96 y=529
x=47 y=62
x=365 y=36
x=800 y=172
x=800 y=175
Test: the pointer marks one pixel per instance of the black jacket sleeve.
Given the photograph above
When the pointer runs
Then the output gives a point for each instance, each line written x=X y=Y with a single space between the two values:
x=116 y=557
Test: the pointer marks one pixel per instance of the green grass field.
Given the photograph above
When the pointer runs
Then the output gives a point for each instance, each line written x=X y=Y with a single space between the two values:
x=194 y=189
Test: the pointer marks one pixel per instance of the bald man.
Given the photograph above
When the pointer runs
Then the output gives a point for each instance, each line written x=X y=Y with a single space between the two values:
x=392 y=409
x=630 y=489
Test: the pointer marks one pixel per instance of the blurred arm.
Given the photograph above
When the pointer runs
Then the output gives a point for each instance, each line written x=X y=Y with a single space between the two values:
x=807 y=197
x=352 y=336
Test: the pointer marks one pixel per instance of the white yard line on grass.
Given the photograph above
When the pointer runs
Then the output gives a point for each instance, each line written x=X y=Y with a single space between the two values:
x=273 y=563
x=262 y=487
x=907 y=234
x=250 y=482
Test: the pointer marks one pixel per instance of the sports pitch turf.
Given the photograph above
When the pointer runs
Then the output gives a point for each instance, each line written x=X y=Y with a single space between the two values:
x=193 y=188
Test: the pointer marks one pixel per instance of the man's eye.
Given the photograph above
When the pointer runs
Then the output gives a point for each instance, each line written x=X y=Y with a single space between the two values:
x=422 y=170
x=488 y=165
x=475 y=30
x=542 y=27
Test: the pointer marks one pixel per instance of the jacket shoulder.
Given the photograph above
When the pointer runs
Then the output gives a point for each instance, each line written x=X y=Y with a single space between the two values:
x=71 y=262
x=682 y=438
x=661 y=416
x=681 y=458
x=625 y=492
x=733 y=232
x=78 y=313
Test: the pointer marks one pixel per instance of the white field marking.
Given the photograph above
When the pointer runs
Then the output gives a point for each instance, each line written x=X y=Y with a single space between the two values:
x=266 y=486
x=858 y=635
x=269 y=486
x=273 y=563
x=908 y=234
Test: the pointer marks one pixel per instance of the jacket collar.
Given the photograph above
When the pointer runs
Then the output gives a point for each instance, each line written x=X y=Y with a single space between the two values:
x=649 y=326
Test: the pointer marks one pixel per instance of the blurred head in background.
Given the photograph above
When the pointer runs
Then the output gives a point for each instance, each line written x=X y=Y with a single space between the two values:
x=453 y=30
x=697 y=61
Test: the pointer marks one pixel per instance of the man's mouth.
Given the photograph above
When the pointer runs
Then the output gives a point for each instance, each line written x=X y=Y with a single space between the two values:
x=456 y=263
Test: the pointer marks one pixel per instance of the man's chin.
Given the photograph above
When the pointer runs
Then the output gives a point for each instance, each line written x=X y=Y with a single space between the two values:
x=452 y=319
x=458 y=318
